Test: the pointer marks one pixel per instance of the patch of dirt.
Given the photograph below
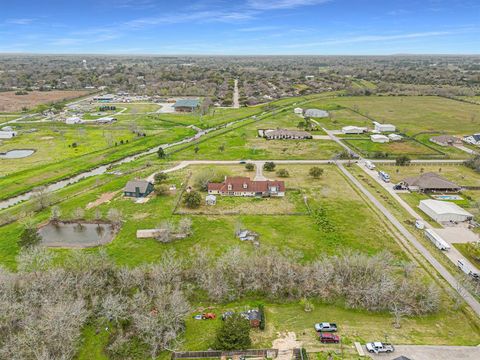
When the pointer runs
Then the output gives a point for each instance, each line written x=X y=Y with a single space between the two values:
x=105 y=197
x=285 y=344
x=140 y=216
x=47 y=138
x=9 y=102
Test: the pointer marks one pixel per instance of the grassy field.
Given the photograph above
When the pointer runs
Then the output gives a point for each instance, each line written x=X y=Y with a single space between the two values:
x=459 y=174
x=21 y=181
x=244 y=143
x=413 y=114
x=343 y=210
x=394 y=148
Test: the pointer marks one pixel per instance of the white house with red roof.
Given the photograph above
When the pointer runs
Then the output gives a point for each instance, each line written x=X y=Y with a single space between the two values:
x=243 y=186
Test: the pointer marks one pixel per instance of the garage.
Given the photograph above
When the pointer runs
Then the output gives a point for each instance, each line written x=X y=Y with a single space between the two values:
x=444 y=211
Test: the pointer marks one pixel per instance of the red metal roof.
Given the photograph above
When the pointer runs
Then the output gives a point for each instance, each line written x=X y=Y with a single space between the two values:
x=238 y=185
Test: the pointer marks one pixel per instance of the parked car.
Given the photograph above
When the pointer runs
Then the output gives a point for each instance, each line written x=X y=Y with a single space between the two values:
x=379 y=347
x=326 y=327
x=329 y=338
x=384 y=176
x=419 y=224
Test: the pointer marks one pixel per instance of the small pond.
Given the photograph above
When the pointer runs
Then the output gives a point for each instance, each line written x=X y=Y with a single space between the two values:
x=76 y=235
x=16 y=154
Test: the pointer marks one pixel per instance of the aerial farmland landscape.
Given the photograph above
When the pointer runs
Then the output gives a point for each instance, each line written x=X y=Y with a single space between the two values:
x=214 y=182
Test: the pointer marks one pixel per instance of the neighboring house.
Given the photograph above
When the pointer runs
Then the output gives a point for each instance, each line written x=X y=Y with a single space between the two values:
x=138 y=188
x=354 y=130
x=210 y=199
x=282 y=134
x=310 y=77
x=104 y=98
x=444 y=211
x=298 y=111
x=186 y=105
x=316 y=113
x=430 y=182
x=7 y=134
x=446 y=140
x=379 y=138
x=384 y=127
x=73 y=120
x=395 y=137
x=472 y=139
x=243 y=186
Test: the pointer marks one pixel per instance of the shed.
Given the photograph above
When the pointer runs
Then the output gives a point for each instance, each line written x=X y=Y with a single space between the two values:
x=316 y=113
x=379 y=138
x=211 y=200
x=354 y=130
x=298 y=111
x=138 y=188
x=384 y=127
x=444 y=211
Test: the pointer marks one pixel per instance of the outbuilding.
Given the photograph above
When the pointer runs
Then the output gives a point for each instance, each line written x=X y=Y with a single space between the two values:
x=186 y=105
x=444 y=211
x=384 y=127
x=298 y=111
x=379 y=138
x=354 y=130
x=73 y=120
x=138 y=188
x=395 y=137
x=211 y=200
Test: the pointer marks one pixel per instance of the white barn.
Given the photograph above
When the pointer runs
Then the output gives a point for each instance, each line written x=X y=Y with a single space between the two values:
x=444 y=211
x=384 y=127
x=354 y=130
x=379 y=138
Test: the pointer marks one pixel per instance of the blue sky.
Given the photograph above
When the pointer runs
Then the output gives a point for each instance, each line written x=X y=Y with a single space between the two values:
x=244 y=27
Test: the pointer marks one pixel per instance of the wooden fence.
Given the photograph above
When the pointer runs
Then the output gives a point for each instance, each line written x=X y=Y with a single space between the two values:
x=265 y=353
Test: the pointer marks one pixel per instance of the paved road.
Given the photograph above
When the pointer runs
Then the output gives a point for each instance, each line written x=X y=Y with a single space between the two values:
x=469 y=299
x=453 y=254
x=430 y=352
x=236 y=96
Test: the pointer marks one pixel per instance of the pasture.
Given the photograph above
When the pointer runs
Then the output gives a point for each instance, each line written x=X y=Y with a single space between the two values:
x=9 y=102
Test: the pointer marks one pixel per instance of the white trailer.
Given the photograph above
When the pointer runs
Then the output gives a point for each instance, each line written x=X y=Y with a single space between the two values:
x=462 y=264
x=436 y=240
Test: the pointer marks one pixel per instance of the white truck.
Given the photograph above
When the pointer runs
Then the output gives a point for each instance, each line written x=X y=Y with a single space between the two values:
x=369 y=165
x=325 y=327
x=379 y=347
x=437 y=240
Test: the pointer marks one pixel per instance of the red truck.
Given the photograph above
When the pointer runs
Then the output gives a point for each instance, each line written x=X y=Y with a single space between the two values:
x=329 y=338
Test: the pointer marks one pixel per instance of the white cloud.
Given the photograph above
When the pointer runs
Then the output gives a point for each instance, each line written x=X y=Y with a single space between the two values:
x=19 y=21
x=281 y=4
x=371 y=38
x=258 y=28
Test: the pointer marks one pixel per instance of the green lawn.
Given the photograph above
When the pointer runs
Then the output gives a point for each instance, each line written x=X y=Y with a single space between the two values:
x=394 y=148
x=415 y=114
